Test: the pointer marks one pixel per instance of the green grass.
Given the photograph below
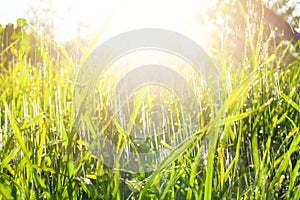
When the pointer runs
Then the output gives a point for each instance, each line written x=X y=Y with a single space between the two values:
x=43 y=155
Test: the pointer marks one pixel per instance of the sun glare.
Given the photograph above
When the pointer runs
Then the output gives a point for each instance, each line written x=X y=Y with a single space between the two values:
x=125 y=15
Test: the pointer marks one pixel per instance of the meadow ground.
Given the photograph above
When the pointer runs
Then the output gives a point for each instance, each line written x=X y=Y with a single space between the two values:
x=256 y=154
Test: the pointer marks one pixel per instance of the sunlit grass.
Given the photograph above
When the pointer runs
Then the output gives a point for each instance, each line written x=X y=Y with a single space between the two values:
x=255 y=156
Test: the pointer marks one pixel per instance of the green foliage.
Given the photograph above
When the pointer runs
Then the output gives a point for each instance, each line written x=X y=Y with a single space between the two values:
x=42 y=155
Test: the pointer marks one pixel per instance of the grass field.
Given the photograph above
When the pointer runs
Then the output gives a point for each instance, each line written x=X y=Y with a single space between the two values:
x=44 y=156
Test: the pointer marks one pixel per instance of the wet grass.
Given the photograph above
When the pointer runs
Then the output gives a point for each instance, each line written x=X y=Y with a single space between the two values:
x=254 y=156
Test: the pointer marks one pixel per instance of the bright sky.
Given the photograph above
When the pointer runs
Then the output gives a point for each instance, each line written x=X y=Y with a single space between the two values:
x=125 y=15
